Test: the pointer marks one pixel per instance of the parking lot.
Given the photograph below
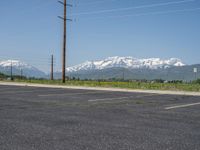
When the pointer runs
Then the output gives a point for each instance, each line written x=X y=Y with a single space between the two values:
x=33 y=118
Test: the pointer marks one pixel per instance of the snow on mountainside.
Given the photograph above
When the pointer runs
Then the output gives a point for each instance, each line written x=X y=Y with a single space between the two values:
x=15 y=63
x=17 y=66
x=127 y=62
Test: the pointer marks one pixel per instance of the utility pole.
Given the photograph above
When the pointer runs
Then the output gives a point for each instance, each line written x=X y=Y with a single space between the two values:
x=64 y=38
x=64 y=43
x=21 y=73
x=11 y=72
x=51 y=67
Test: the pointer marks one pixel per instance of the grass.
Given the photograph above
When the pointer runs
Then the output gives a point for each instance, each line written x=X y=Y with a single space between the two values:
x=119 y=84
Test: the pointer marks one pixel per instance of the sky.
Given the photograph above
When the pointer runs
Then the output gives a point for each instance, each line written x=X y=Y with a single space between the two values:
x=31 y=31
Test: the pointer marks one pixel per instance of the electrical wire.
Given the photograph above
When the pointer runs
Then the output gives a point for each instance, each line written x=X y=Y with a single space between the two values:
x=157 y=13
x=131 y=8
x=97 y=2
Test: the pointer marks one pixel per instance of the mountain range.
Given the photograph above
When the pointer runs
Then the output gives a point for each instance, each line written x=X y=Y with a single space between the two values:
x=133 y=68
x=127 y=62
x=114 y=67
x=19 y=67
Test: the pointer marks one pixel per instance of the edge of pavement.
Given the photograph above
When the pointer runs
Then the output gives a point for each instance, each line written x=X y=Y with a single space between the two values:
x=160 y=92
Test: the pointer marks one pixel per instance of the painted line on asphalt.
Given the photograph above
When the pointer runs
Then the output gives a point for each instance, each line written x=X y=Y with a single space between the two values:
x=182 y=106
x=119 y=98
x=23 y=90
x=6 y=89
x=10 y=89
x=16 y=92
x=108 y=99
x=70 y=94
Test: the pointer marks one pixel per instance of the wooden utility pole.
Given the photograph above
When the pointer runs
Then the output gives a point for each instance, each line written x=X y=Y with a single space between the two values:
x=64 y=38
x=52 y=67
x=11 y=71
x=64 y=43
x=21 y=74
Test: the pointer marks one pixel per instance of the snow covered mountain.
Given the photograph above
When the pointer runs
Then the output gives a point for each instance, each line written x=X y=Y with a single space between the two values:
x=17 y=66
x=127 y=62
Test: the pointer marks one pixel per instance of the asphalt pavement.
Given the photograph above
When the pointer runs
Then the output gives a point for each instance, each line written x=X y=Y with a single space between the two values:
x=37 y=118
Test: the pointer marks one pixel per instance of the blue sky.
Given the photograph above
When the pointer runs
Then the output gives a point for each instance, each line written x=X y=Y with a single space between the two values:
x=30 y=30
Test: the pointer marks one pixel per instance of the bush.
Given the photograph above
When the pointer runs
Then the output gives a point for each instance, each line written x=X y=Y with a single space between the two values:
x=197 y=81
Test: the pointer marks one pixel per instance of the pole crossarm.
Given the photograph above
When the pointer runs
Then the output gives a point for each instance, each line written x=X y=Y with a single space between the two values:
x=65 y=19
x=69 y=5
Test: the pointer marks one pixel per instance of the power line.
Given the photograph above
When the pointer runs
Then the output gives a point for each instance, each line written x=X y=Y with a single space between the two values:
x=97 y=2
x=157 y=13
x=131 y=8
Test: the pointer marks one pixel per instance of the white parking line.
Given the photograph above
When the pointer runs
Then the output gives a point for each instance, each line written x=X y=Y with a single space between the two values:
x=69 y=94
x=6 y=89
x=108 y=99
x=119 y=98
x=15 y=92
x=182 y=106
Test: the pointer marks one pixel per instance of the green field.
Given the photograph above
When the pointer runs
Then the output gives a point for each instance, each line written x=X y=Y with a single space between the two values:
x=195 y=86
x=176 y=86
